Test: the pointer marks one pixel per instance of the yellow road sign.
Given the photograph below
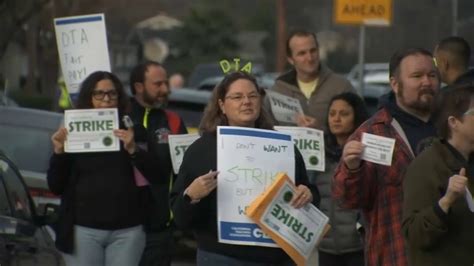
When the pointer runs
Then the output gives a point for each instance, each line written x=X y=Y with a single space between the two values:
x=366 y=12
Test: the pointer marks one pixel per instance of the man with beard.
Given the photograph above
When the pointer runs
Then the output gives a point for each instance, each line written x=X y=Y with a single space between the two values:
x=377 y=189
x=310 y=81
x=152 y=125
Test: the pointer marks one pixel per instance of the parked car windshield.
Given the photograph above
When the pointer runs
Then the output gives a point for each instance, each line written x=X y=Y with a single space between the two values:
x=25 y=136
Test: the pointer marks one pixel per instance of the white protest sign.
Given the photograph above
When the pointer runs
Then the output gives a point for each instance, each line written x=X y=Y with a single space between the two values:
x=91 y=130
x=284 y=108
x=310 y=142
x=178 y=145
x=377 y=149
x=82 y=48
x=248 y=161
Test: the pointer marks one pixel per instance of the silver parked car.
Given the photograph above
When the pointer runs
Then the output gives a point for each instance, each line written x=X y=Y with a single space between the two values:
x=25 y=138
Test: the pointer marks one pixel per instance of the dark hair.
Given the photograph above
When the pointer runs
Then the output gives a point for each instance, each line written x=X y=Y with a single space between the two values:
x=213 y=115
x=458 y=49
x=138 y=73
x=298 y=33
x=84 y=100
x=454 y=101
x=360 y=111
x=398 y=56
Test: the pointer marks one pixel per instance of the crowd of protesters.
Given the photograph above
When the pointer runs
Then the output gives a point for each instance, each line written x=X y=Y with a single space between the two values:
x=414 y=211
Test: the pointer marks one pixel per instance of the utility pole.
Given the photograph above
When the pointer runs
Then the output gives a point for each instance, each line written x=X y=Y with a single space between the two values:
x=454 y=23
x=281 y=36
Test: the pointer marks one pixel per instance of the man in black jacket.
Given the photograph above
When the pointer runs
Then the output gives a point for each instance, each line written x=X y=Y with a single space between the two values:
x=452 y=57
x=153 y=124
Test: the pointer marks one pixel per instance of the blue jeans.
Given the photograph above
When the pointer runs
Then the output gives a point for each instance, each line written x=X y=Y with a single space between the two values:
x=94 y=247
x=205 y=258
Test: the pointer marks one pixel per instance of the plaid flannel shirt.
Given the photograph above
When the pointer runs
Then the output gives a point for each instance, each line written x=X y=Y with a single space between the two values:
x=377 y=190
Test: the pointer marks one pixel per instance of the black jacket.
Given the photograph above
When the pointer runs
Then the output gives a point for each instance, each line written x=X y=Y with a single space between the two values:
x=201 y=218
x=153 y=140
x=97 y=190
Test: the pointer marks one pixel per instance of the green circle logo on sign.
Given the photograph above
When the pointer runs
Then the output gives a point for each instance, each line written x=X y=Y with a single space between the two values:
x=313 y=160
x=287 y=196
x=107 y=141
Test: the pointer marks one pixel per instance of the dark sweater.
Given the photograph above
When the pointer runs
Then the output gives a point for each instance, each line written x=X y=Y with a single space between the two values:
x=97 y=190
x=200 y=157
x=433 y=237
x=418 y=132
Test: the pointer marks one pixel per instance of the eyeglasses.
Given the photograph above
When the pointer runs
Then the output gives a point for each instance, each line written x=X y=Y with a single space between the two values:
x=240 y=97
x=100 y=95
x=469 y=112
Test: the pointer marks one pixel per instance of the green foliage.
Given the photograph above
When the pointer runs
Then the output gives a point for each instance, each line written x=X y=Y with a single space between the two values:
x=206 y=36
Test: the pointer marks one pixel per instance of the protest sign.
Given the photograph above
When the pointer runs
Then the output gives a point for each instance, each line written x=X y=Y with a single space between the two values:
x=284 y=108
x=248 y=161
x=297 y=231
x=178 y=145
x=310 y=142
x=91 y=130
x=377 y=149
x=82 y=48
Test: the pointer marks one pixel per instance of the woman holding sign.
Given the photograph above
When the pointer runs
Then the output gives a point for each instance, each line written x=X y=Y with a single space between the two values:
x=100 y=217
x=342 y=245
x=236 y=101
x=438 y=186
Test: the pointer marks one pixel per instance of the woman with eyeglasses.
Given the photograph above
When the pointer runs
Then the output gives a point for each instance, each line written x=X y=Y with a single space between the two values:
x=100 y=217
x=437 y=217
x=236 y=101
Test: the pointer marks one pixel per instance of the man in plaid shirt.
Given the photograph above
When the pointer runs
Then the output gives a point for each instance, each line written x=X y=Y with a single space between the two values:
x=377 y=189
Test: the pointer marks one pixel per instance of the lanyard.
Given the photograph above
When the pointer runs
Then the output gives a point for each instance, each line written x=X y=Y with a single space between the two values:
x=145 y=117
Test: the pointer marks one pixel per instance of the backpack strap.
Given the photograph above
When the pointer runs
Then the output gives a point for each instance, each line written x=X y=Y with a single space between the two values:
x=174 y=121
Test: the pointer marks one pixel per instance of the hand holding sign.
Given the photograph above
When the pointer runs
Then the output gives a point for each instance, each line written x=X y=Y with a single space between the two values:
x=303 y=120
x=58 y=139
x=352 y=154
x=127 y=137
x=302 y=197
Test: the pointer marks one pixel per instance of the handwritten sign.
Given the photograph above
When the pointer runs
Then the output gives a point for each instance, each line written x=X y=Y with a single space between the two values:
x=297 y=231
x=82 y=48
x=178 y=145
x=91 y=130
x=310 y=142
x=378 y=149
x=248 y=161
x=284 y=108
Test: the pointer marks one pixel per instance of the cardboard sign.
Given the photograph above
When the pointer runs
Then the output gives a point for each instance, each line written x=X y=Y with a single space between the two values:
x=82 y=48
x=297 y=231
x=310 y=142
x=178 y=145
x=248 y=161
x=91 y=130
x=284 y=108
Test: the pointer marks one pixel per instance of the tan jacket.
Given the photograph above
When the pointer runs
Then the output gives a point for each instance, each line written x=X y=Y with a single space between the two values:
x=329 y=85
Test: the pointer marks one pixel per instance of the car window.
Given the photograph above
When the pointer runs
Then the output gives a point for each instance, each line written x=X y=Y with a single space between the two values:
x=29 y=148
x=16 y=192
x=191 y=113
x=4 y=203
